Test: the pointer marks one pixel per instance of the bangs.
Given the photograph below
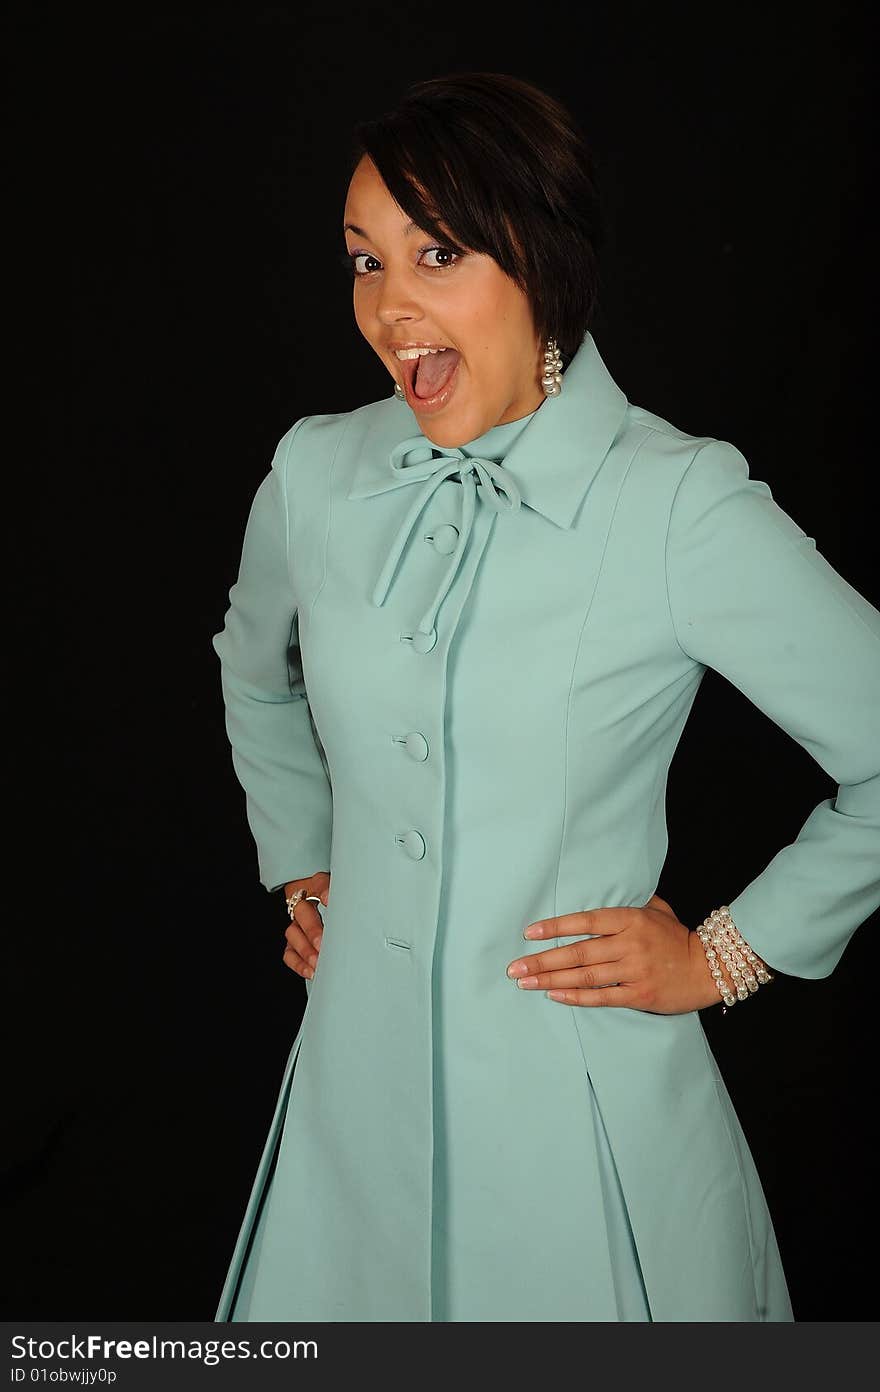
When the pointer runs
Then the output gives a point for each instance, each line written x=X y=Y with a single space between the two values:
x=441 y=186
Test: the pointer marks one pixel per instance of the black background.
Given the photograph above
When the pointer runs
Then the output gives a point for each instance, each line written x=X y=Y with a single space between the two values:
x=178 y=178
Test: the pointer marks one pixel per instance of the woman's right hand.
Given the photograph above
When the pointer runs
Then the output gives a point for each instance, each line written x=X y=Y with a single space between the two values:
x=304 y=931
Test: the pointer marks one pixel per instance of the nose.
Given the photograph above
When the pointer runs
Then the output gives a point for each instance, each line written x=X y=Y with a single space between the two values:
x=395 y=303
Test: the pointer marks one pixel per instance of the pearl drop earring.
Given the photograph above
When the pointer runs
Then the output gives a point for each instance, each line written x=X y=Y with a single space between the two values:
x=552 y=379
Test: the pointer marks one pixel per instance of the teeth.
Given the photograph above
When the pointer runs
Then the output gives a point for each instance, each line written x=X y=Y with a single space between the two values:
x=407 y=354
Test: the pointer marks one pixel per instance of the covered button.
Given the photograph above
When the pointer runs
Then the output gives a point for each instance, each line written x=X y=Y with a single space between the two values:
x=445 y=538
x=424 y=642
x=416 y=745
x=413 y=843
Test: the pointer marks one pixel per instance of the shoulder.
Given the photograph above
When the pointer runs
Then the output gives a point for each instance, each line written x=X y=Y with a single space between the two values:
x=305 y=455
x=307 y=451
x=659 y=444
x=319 y=434
x=658 y=456
x=699 y=470
x=696 y=493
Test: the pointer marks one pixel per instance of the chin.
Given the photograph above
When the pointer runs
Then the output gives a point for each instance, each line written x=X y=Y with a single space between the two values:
x=452 y=431
x=439 y=434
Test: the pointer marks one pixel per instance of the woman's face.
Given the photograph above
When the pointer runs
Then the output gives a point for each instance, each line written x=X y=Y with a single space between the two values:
x=409 y=290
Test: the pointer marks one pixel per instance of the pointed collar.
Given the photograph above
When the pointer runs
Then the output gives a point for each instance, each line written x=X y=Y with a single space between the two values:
x=553 y=460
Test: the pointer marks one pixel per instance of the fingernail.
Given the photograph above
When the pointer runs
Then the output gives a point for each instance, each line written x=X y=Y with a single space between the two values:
x=527 y=981
x=517 y=969
x=313 y=959
x=556 y=995
x=534 y=930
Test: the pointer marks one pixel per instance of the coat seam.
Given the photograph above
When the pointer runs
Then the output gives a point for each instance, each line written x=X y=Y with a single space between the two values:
x=326 y=544
x=574 y=666
x=568 y=706
x=717 y=1085
x=669 y=431
x=632 y=1232
x=684 y=475
x=662 y=772
x=293 y=618
x=284 y=471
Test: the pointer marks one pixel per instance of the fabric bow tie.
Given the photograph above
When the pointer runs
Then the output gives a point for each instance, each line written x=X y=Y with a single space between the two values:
x=417 y=460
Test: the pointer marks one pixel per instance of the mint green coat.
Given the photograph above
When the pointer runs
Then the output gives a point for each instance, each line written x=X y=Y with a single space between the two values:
x=458 y=686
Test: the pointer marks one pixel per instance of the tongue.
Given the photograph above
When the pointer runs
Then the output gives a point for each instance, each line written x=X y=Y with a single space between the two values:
x=434 y=371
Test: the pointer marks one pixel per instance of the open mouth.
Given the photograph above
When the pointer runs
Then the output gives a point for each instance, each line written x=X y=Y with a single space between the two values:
x=430 y=380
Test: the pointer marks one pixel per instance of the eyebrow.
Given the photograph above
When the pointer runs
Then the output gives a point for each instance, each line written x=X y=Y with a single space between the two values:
x=359 y=231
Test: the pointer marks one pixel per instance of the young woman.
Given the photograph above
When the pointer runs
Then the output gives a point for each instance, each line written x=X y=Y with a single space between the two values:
x=469 y=625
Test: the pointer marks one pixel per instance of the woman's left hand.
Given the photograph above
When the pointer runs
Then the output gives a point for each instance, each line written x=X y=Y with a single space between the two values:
x=644 y=958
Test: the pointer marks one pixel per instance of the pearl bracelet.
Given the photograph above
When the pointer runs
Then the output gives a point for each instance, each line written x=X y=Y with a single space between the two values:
x=722 y=940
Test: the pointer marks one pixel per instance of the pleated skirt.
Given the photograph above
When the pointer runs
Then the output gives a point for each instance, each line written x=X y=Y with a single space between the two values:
x=243 y=1301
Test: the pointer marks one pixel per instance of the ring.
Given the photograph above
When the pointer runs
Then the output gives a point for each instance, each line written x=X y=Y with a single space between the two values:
x=296 y=896
x=294 y=899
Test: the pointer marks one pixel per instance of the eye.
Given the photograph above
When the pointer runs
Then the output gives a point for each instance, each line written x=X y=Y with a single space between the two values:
x=355 y=262
x=442 y=252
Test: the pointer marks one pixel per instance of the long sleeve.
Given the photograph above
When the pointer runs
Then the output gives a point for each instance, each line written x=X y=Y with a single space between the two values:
x=275 y=753
x=751 y=596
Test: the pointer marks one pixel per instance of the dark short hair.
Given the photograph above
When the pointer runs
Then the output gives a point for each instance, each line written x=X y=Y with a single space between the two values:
x=507 y=171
